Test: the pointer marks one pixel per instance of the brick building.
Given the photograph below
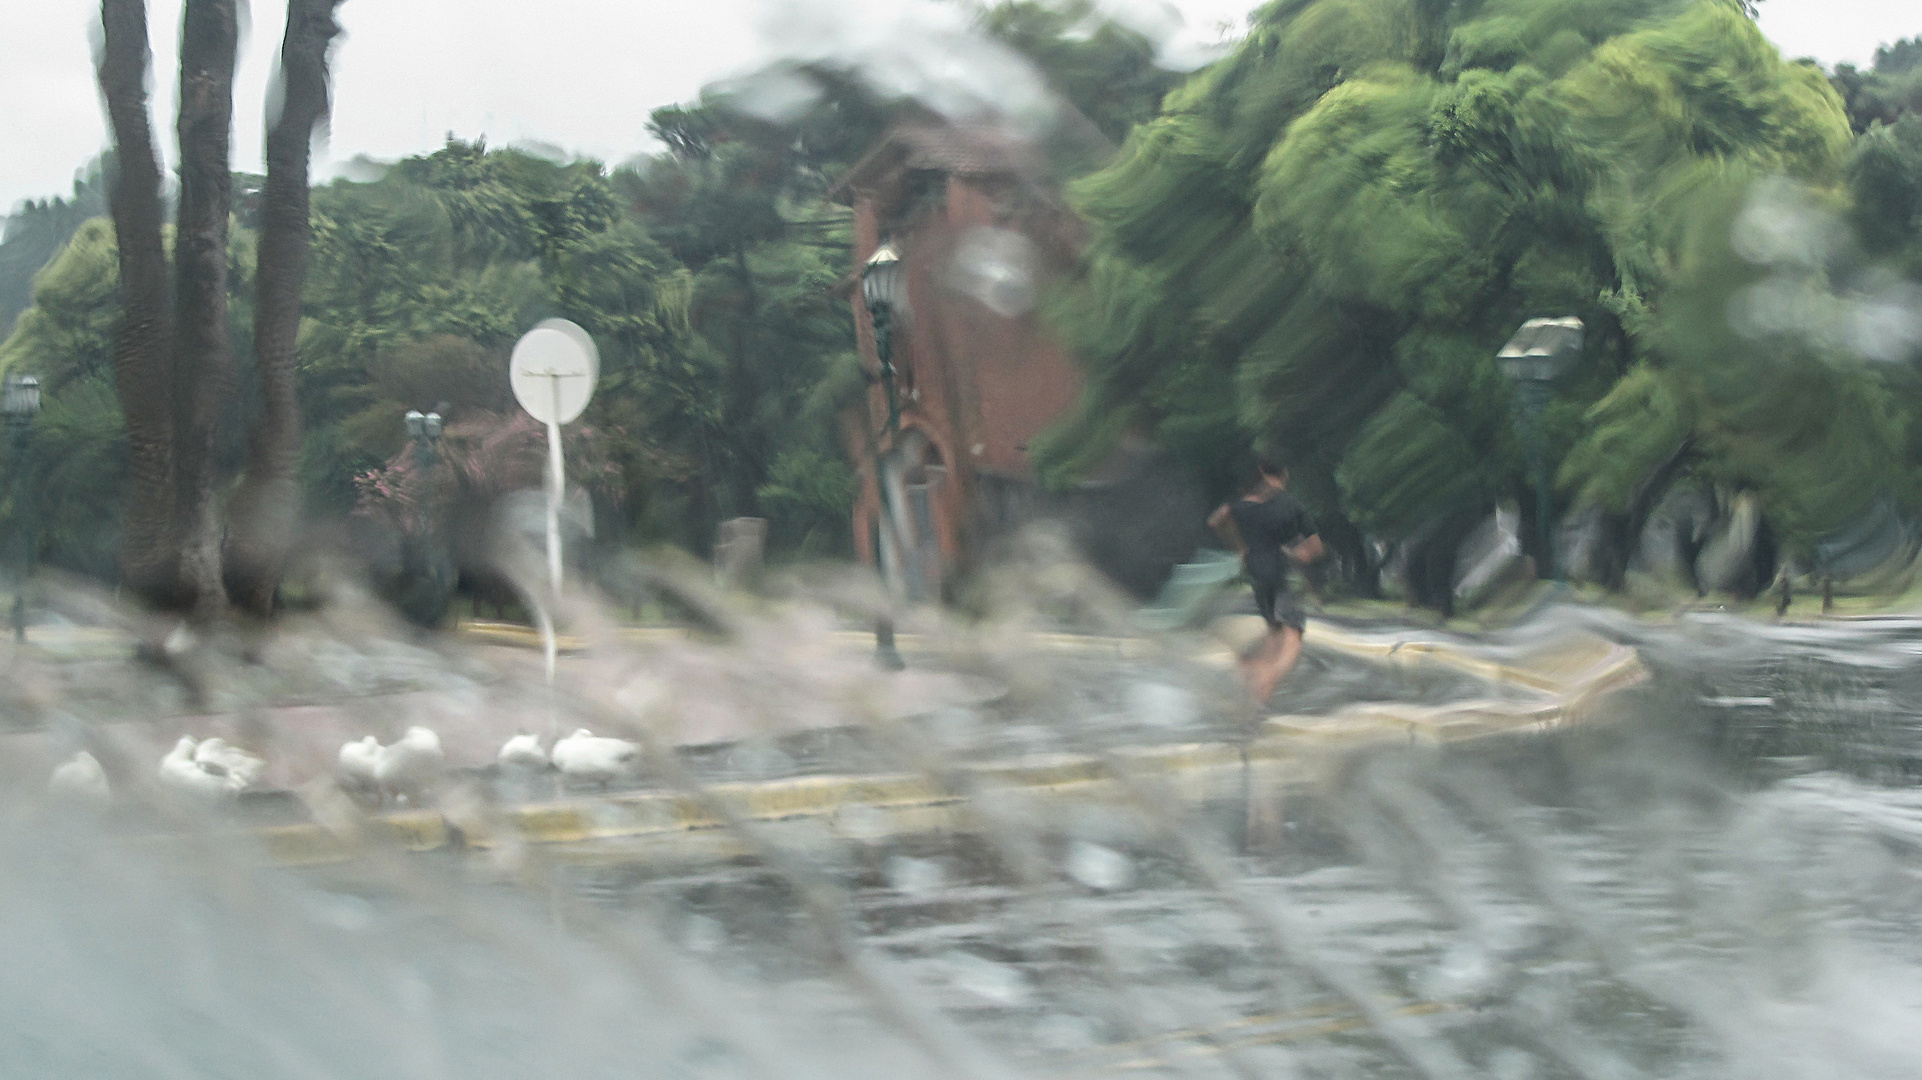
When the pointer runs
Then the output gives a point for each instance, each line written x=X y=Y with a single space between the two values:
x=978 y=230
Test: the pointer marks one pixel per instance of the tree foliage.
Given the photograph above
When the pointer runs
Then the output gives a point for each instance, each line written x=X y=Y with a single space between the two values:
x=1313 y=246
x=1105 y=70
x=1888 y=91
x=37 y=231
x=1320 y=243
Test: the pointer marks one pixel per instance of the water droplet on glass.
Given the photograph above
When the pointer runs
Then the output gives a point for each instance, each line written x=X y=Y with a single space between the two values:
x=953 y=726
x=1161 y=705
x=1099 y=868
x=1464 y=971
x=703 y=933
x=341 y=910
x=858 y=822
x=1510 y=1063
x=1063 y=1033
x=915 y=877
x=778 y=95
x=996 y=267
x=761 y=759
x=999 y=983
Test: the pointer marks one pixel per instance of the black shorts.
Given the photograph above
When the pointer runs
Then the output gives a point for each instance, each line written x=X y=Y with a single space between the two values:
x=1280 y=605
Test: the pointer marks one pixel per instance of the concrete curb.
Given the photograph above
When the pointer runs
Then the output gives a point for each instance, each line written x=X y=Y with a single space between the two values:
x=1558 y=686
x=1228 y=635
x=524 y=637
x=517 y=636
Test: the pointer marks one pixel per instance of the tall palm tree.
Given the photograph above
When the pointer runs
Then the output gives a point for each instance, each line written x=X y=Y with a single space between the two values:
x=143 y=342
x=173 y=363
x=265 y=509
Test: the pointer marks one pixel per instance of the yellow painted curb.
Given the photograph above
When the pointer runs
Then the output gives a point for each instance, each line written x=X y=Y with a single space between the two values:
x=1320 y=634
x=503 y=633
x=526 y=637
x=1561 y=669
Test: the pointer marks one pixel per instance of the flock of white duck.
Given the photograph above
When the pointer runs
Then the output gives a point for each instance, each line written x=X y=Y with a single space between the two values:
x=213 y=770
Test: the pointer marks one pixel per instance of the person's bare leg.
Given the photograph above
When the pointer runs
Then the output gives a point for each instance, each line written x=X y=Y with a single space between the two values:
x=1255 y=662
x=1284 y=653
x=1290 y=653
x=1250 y=666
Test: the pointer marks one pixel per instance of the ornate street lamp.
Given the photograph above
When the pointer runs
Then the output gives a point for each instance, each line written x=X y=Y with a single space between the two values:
x=22 y=398
x=884 y=286
x=1533 y=359
x=21 y=403
x=424 y=430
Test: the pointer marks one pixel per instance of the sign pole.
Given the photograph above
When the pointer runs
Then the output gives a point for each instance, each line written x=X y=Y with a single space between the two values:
x=554 y=350
x=556 y=483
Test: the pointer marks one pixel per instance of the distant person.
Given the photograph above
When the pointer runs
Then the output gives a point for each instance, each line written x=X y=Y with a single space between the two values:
x=1270 y=528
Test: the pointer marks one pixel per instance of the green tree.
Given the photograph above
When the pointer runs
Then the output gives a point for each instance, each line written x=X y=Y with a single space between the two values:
x=1888 y=91
x=1105 y=70
x=66 y=338
x=443 y=248
x=1885 y=182
x=738 y=202
x=37 y=231
x=1319 y=244
x=79 y=443
x=424 y=278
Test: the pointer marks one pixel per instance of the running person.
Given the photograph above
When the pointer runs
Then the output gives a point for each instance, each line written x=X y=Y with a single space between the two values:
x=1271 y=528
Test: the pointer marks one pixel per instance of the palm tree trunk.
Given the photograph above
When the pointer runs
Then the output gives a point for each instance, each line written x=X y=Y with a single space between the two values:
x=203 y=355
x=265 y=510
x=143 y=342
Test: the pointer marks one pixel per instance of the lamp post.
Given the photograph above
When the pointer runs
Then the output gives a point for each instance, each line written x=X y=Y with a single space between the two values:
x=883 y=290
x=21 y=402
x=424 y=430
x=1533 y=359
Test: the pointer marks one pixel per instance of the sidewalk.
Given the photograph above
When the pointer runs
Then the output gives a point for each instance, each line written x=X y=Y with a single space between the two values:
x=1554 y=685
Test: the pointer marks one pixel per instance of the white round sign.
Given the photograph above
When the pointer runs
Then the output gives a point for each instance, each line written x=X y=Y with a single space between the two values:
x=553 y=371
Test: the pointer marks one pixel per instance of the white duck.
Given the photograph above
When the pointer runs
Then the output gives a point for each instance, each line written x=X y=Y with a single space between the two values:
x=242 y=766
x=411 y=763
x=360 y=764
x=586 y=756
x=523 y=752
x=81 y=781
x=179 y=771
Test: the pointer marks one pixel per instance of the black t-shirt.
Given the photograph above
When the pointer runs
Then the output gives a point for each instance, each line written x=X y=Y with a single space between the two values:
x=1266 y=527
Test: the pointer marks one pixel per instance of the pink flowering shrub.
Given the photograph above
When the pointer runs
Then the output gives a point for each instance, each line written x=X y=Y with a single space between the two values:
x=481 y=457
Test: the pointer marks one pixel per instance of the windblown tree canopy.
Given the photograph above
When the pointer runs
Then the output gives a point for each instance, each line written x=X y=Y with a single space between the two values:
x=1890 y=89
x=1320 y=243
x=423 y=279
x=738 y=201
x=66 y=340
x=710 y=275
x=1105 y=70
x=1315 y=246
x=37 y=231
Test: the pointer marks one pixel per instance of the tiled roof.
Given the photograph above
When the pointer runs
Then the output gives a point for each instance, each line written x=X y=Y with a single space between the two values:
x=964 y=149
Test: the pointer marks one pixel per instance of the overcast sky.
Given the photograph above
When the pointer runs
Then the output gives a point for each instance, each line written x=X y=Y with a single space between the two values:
x=583 y=74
